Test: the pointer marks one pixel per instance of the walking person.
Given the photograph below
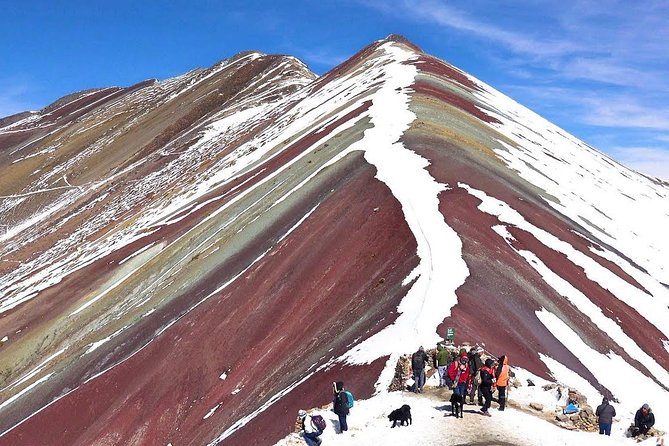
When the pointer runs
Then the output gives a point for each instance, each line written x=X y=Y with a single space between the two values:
x=340 y=405
x=418 y=362
x=310 y=431
x=605 y=413
x=502 y=374
x=487 y=383
x=475 y=364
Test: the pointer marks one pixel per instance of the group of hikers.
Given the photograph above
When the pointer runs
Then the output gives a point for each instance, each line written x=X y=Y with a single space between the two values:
x=313 y=425
x=467 y=374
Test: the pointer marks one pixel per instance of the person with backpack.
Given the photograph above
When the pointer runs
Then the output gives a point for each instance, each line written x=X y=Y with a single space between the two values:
x=418 y=361
x=311 y=430
x=502 y=374
x=458 y=373
x=340 y=405
x=487 y=384
x=605 y=412
x=643 y=421
x=475 y=364
x=441 y=363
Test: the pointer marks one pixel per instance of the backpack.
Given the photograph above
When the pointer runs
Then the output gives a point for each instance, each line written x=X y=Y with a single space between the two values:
x=417 y=361
x=349 y=399
x=318 y=422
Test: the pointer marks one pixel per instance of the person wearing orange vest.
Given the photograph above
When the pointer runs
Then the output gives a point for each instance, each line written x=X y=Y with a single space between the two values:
x=503 y=373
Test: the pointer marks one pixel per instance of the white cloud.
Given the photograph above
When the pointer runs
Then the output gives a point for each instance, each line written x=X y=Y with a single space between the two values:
x=652 y=161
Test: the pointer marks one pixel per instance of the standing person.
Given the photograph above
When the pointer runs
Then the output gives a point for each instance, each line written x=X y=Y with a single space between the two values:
x=340 y=405
x=311 y=432
x=458 y=372
x=487 y=383
x=475 y=364
x=418 y=361
x=502 y=374
x=441 y=361
x=605 y=412
x=643 y=421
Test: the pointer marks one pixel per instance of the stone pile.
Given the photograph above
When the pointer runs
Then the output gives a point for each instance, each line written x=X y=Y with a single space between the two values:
x=584 y=420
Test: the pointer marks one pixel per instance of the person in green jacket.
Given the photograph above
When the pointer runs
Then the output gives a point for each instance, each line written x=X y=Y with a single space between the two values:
x=441 y=361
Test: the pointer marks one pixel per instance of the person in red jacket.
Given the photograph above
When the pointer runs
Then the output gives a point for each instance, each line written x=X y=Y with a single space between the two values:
x=458 y=372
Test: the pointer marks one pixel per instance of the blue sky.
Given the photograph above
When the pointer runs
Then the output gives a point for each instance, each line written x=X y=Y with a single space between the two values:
x=599 y=69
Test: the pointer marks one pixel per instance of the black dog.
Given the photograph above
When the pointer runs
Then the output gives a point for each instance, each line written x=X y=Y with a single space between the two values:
x=457 y=403
x=401 y=415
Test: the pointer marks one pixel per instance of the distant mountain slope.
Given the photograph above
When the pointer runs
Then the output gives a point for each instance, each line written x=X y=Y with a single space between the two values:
x=192 y=260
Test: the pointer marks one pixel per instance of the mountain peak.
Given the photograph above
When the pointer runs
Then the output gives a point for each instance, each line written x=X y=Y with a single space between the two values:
x=398 y=38
x=167 y=239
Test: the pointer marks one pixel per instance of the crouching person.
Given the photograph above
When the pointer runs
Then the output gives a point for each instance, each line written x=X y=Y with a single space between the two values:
x=310 y=431
x=643 y=421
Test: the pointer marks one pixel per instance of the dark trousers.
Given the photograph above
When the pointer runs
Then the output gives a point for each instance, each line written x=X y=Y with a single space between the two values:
x=604 y=428
x=419 y=378
x=501 y=398
x=487 y=396
x=343 y=426
x=312 y=438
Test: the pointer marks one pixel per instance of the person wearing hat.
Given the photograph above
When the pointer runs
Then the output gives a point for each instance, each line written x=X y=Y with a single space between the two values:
x=502 y=373
x=458 y=372
x=418 y=361
x=643 y=421
x=311 y=432
x=487 y=383
x=605 y=412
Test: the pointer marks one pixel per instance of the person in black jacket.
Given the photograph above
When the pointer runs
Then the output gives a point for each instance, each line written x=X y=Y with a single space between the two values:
x=643 y=421
x=487 y=382
x=475 y=364
x=340 y=405
x=605 y=412
x=418 y=361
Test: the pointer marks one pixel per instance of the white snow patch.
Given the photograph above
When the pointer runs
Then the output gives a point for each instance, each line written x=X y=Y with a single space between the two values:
x=368 y=424
x=432 y=295
x=276 y=397
x=211 y=412
x=626 y=383
x=24 y=391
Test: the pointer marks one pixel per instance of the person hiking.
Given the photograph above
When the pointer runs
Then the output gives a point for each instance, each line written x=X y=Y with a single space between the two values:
x=487 y=383
x=458 y=373
x=475 y=364
x=310 y=431
x=418 y=361
x=441 y=363
x=502 y=374
x=643 y=421
x=605 y=413
x=340 y=405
